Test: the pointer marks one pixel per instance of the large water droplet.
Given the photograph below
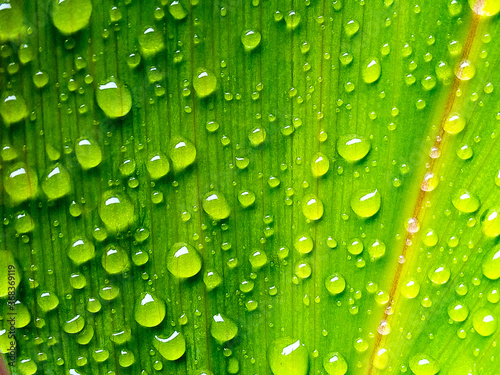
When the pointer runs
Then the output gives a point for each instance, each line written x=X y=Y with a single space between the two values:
x=11 y=19
x=423 y=364
x=116 y=210
x=491 y=263
x=352 y=147
x=149 y=310
x=312 y=207
x=81 y=250
x=115 y=259
x=13 y=108
x=70 y=16
x=20 y=182
x=464 y=201
x=484 y=322
x=216 y=206
x=223 y=328
x=151 y=42
x=335 y=284
x=335 y=364
x=365 y=202
x=250 y=39
x=490 y=221
x=183 y=260
x=182 y=153
x=288 y=357
x=486 y=8
x=88 y=153
x=371 y=70
x=57 y=183
x=114 y=98
x=172 y=347
x=204 y=82
x=157 y=165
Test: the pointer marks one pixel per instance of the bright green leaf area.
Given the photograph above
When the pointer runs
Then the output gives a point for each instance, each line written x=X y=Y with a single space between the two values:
x=256 y=187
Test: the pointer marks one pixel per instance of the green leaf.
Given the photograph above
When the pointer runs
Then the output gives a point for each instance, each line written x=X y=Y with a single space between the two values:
x=253 y=187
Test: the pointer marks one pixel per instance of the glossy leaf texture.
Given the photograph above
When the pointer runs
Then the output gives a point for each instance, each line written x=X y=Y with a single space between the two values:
x=257 y=187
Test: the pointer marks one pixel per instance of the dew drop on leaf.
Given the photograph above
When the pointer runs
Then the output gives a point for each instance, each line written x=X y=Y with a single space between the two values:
x=81 y=250
x=57 y=182
x=13 y=108
x=157 y=165
x=423 y=364
x=47 y=301
x=216 y=206
x=114 y=98
x=11 y=19
x=183 y=261
x=204 y=82
x=20 y=182
x=223 y=328
x=464 y=201
x=439 y=275
x=288 y=356
x=150 y=42
x=486 y=8
x=312 y=207
x=171 y=347
x=303 y=243
x=177 y=10
x=250 y=39
x=491 y=263
x=352 y=147
x=116 y=210
x=484 y=322
x=88 y=153
x=182 y=153
x=70 y=16
x=366 y=202
x=115 y=260
x=490 y=221
x=371 y=70
x=458 y=312
x=335 y=364
x=149 y=310
x=335 y=284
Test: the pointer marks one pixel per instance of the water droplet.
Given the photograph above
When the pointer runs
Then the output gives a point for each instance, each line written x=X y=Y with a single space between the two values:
x=312 y=207
x=250 y=39
x=116 y=210
x=335 y=364
x=20 y=182
x=491 y=263
x=335 y=284
x=81 y=250
x=490 y=221
x=212 y=279
x=465 y=152
x=458 y=312
x=319 y=165
x=351 y=27
x=257 y=259
x=157 y=165
x=11 y=19
x=70 y=16
x=257 y=136
x=486 y=8
x=204 y=82
x=182 y=153
x=371 y=70
x=57 y=183
x=115 y=259
x=177 y=10
x=484 y=322
x=172 y=347
x=74 y=325
x=150 y=42
x=149 y=310
x=292 y=19
x=288 y=356
x=352 y=147
x=114 y=98
x=423 y=364
x=223 y=328
x=13 y=108
x=88 y=153
x=439 y=275
x=366 y=202
x=376 y=250
x=410 y=288
x=465 y=70
x=183 y=260
x=246 y=198
x=216 y=206
x=47 y=301
x=24 y=222
x=303 y=244
x=464 y=201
